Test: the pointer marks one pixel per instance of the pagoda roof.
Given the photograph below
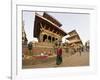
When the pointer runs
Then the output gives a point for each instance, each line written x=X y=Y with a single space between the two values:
x=70 y=37
x=52 y=19
x=39 y=18
x=75 y=41
x=73 y=31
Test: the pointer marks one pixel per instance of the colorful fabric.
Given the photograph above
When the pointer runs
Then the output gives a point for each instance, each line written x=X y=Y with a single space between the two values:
x=59 y=56
x=59 y=52
x=58 y=60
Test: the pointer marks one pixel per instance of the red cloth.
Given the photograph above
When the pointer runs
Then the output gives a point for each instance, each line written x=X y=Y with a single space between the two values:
x=59 y=52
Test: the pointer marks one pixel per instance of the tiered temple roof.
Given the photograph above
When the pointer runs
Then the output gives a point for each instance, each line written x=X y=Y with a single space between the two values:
x=50 y=21
x=74 y=38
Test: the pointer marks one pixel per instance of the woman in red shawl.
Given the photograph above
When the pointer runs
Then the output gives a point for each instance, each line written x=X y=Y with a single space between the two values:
x=59 y=56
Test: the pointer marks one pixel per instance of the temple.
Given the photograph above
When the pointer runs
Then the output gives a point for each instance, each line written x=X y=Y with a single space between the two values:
x=49 y=33
x=74 y=39
x=47 y=28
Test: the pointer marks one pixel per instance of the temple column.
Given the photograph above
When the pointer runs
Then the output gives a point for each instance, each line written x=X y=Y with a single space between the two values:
x=47 y=39
x=41 y=37
x=51 y=40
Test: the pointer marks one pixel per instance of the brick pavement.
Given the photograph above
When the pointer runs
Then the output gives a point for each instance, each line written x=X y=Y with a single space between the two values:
x=68 y=61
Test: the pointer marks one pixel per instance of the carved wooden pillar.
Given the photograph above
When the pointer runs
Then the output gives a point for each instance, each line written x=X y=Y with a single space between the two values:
x=41 y=37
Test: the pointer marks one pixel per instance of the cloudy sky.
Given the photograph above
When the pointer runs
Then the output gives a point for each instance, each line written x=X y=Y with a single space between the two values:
x=69 y=21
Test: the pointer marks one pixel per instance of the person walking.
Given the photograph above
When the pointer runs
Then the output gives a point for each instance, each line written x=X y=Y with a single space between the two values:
x=59 y=55
x=80 y=49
